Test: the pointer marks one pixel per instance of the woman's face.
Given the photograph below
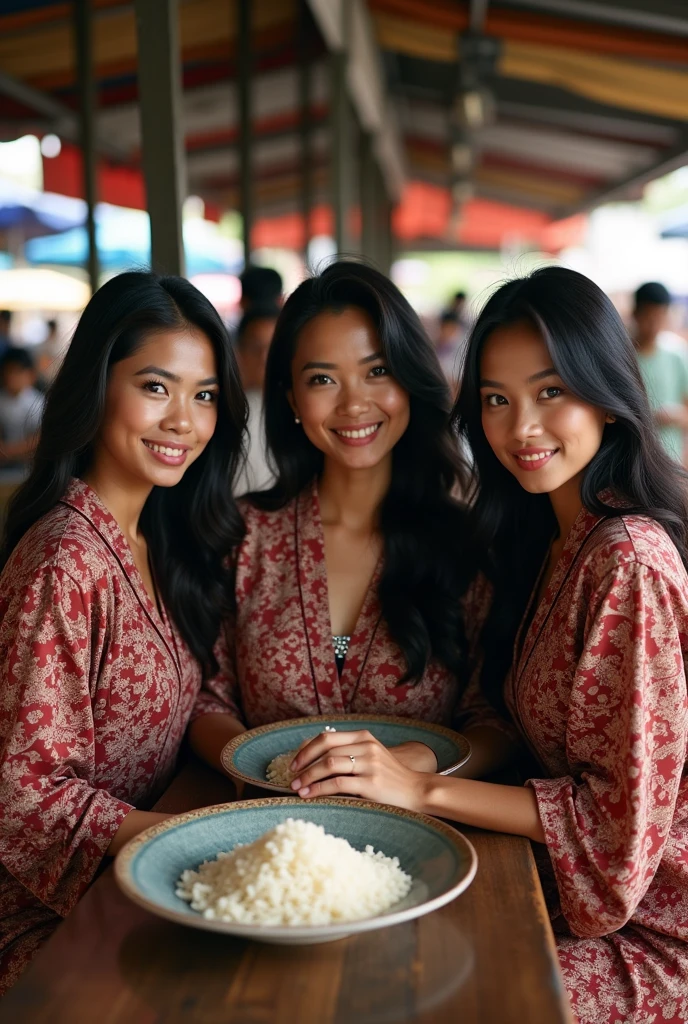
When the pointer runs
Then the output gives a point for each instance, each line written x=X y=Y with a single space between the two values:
x=542 y=433
x=350 y=406
x=160 y=409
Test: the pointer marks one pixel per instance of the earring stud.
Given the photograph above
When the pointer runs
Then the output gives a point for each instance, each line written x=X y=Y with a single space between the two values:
x=296 y=419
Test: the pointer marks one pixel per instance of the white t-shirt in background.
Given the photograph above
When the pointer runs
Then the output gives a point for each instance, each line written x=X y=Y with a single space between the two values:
x=20 y=415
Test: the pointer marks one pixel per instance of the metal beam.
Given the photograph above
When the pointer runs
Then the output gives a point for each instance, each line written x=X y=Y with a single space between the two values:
x=346 y=26
x=245 y=67
x=650 y=133
x=305 y=121
x=83 y=31
x=671 y=161
x=369 y=190
x=339 y=113
x=385 y=236
x=609 y=13
x=477 y=15
x=164 y=161
x=63 y=121
x=431 y=86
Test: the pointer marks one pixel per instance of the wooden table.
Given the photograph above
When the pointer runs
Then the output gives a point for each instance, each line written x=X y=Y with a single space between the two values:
x=486 y=958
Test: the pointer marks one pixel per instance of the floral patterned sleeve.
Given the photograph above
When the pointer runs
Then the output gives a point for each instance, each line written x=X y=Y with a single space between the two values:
x=55 y=825
x=473 y=709
x=606 y=824
x=220 y=695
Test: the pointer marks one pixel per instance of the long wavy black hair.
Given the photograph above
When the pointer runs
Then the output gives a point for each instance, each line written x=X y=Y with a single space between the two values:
x=189 y=528
x=426 y=562
x=595 y=358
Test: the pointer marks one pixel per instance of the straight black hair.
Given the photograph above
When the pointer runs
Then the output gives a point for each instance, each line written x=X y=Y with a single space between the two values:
x=427 y=565
x=595 y=358
x=191 y=528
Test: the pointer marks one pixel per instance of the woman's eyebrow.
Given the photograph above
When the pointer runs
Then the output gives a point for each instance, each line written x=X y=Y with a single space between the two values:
x=542 y=374
x=334 y=366
x=159 y=372
x=484 y=383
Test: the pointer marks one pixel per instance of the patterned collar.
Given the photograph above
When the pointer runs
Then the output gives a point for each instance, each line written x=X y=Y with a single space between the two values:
x=584 y=523
x=86 y=502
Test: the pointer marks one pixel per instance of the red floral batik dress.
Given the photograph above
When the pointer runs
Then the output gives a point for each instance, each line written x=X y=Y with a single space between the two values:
x=96 y=689
x=598 y=691
x=280 y=660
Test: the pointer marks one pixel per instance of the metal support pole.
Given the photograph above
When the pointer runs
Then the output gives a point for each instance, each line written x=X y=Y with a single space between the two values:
x=244 y=64
x=339 y=113
x=305 y=88
x=369 y=192
x=384 y=220
x=164 y=158
x=83 y=31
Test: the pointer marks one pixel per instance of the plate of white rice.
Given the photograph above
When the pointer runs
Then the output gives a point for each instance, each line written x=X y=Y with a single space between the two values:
x=261 y=756
x=286 y=871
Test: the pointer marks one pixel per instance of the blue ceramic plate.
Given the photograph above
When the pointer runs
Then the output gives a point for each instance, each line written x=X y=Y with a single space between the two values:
x=440 y=860
x=247 y=756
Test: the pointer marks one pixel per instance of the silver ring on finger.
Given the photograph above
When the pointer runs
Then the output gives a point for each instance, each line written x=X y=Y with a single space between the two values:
x=353 y=763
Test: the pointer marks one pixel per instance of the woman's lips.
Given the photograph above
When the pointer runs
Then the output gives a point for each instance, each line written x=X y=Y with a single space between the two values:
x=160 y=452
x=531 y=459
x=356 y=437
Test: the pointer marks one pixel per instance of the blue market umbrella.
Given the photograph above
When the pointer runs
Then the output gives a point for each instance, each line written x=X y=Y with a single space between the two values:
x=123 y=239
x=36 y=213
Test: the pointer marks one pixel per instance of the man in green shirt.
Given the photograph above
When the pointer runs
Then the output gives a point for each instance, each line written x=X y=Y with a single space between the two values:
x=664 y=368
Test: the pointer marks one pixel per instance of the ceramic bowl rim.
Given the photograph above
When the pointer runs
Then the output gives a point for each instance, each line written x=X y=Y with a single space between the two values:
x=124 y=860
x=230 y=749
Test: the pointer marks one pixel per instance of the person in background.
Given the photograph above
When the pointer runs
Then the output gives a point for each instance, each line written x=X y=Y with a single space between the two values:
x=5 y=323
x=253 y=338
x=260 y=286
x=48 y=356
x=21 y=409
x=459 y=306
x=663 y=365
x=113 y=587
x=448 y=346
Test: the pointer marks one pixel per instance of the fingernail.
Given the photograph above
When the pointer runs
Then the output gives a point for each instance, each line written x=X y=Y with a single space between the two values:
x=305 y=791
x=292 y=766
x=296 y=784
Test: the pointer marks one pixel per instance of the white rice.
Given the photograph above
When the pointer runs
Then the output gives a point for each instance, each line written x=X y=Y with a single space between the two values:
x=295 y=874
x=278 y=771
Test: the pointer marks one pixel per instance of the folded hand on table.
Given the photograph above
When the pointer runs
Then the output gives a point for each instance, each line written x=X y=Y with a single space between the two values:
x=356 y=764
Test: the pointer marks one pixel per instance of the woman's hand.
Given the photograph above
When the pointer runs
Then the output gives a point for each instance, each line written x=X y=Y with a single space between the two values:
x=419 y=757
x=356 y=764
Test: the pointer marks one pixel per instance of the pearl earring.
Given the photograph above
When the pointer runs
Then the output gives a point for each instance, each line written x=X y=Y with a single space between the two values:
x=296 y=419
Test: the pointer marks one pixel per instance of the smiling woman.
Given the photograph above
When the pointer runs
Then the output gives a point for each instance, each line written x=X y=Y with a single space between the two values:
x=112 y=591
x=351 y=576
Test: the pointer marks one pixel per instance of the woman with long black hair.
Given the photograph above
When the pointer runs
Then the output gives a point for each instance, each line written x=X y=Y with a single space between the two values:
x=112 y=590
x=584 y=521
x=350 y=577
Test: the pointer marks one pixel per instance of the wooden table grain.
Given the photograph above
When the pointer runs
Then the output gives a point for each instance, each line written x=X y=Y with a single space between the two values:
x=487 y=957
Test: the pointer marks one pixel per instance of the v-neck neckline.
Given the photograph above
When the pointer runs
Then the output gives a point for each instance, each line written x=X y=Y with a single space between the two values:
x=533 y=621
x=82 y=497
x=334 y=693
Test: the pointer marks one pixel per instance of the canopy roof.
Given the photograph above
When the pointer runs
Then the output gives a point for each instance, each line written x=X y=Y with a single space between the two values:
x=508 y=114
